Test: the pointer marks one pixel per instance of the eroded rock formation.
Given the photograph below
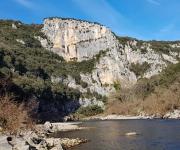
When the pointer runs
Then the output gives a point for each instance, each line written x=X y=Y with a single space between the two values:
x=77 y=40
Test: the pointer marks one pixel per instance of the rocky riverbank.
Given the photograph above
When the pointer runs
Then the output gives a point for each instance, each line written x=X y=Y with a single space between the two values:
x=117 y=117
x=169 y=115
x=39 y=140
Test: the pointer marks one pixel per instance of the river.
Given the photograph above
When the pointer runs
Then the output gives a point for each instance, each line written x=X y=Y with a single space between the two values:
x=110 y=135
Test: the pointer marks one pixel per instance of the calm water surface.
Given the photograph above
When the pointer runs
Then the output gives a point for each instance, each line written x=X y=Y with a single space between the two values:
x=109 y=135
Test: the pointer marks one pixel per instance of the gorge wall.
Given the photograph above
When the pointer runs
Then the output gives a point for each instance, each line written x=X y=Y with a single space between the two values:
x=68 y=64
x=78 y=40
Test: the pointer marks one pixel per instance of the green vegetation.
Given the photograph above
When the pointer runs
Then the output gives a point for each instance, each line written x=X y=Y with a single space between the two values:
x=164 y=46
x=157 y=95
x=139 y=69
x=117 y=85
x=158 y=46
x=91 y=95
x=31 y=54
x=31 y=58
x=31 y=66
x=164 y=80
x=89 y=110
x=145 y=87
x=124 y=40
x=140 y=45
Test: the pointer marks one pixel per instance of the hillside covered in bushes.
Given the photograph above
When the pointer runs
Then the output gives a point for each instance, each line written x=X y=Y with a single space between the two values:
x=31 y=66
x=40 y=75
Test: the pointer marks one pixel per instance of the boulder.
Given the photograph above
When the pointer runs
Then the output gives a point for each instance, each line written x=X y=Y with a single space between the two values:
x=14 y=26
x=68 y=143
x=131 y=133
x=54 y=143
x=48 y=127
x=4 y=145
x=18 y=143
x=173 y=115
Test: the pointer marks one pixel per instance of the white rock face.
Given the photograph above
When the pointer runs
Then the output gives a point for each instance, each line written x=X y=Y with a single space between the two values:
x=74 y=39
x=81 y=40
x=170 y=58
x=90 y=102
x=151 y=57
x=20 y=41
x=157 y=61
x=14 y=26
x=111 y=69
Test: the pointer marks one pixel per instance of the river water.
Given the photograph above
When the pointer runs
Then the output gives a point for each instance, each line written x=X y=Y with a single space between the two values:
x=110 y=135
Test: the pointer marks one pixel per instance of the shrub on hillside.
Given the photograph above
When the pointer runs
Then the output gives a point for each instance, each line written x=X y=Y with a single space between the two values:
x=13 y=116
x=139 y=69
x=151 y=97
x=90 y=110
x=157 y=95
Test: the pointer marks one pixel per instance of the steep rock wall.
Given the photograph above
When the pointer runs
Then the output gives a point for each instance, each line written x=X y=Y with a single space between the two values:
x=77 y=40
x=81 y=40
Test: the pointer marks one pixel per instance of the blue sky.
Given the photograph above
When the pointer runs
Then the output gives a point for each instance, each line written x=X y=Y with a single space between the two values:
x=142 y=19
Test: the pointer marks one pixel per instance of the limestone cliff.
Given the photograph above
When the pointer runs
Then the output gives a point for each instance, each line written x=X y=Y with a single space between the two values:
x=66 y=63
x=78 y=40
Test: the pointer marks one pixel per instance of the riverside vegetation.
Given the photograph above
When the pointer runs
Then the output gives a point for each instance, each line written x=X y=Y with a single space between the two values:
x=155 y=96
x=26 y=69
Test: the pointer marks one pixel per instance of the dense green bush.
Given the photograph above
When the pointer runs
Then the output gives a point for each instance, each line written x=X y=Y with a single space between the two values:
x=90 y=110
x=139 y=69
x=163 y=46
x=117 y=85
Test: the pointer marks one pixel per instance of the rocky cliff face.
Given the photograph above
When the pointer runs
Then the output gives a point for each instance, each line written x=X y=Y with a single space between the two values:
x=139 y=52
x=78 y=40
x=96 y=62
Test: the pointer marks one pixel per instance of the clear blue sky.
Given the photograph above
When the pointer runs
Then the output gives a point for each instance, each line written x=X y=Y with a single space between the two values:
x=142 y=19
